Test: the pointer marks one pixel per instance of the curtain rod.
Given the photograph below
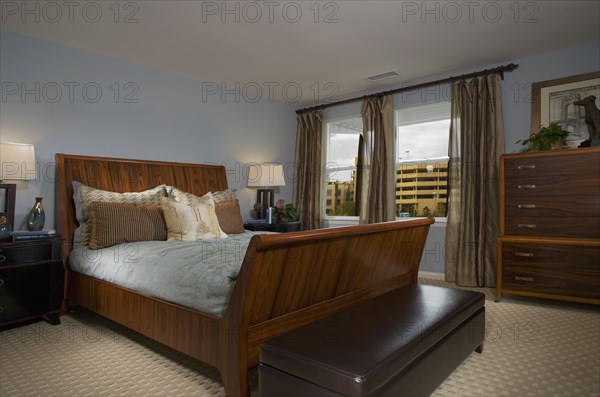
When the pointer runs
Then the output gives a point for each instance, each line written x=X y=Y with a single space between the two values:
x=499 y=69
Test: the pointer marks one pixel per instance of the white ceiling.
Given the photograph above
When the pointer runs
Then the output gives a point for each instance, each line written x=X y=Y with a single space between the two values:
x=331 y=51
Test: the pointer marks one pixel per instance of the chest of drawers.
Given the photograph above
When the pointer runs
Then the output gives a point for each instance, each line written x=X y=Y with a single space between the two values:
x=549 y=243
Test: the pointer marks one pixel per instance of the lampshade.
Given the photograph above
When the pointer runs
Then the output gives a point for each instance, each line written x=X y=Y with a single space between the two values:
x=17 y=161
x=265 y=175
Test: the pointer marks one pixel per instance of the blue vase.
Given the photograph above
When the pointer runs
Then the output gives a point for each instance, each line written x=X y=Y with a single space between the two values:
x=37 y=216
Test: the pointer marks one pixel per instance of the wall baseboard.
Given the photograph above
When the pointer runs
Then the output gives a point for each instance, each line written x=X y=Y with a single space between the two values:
x=434 y=275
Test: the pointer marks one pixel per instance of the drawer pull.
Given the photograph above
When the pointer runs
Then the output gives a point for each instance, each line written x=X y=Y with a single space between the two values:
x=519 y=278
x=524 y=254
x=526 y=186
x=1 y=282
x=526 y=206
x=2 y=258
x=526 y=167
x=526 y=226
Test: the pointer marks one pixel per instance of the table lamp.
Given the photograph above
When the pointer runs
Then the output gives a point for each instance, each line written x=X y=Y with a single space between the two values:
x=17 y=162
x=265 y=177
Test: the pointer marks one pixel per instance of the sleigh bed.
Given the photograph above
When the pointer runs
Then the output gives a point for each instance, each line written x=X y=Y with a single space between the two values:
x=284 y=281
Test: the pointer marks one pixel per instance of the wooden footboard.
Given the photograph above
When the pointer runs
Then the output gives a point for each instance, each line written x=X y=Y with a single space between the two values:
x=290 y=280
x=286 y=280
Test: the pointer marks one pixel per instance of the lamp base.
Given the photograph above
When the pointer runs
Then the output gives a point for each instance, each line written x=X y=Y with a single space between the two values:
x=266 y=198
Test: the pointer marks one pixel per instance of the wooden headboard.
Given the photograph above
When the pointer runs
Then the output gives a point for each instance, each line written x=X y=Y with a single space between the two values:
x=125 y=175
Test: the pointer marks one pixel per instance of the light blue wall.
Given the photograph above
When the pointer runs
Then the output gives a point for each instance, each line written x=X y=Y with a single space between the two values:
x=516 y=91
x=170 y=121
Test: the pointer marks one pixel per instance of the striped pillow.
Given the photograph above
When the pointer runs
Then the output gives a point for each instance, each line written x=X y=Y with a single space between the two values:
x=118 y=223
x=84 y=195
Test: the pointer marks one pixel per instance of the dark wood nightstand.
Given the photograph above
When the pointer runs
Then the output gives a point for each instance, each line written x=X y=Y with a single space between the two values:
x=264 y=227
x=31 y=280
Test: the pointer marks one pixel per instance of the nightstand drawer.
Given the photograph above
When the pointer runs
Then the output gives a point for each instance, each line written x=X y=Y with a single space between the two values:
x=24 y=291
x=29 y=251
x=31 y=280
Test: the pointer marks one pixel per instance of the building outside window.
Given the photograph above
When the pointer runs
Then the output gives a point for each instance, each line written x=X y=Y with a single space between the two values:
x=421 y=167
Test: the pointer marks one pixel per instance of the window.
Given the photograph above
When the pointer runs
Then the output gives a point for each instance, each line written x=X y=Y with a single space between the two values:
x=421 y=167
x=342 y=150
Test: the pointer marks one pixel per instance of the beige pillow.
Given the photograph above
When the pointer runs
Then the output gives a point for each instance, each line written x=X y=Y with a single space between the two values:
x=229 y=216
x=189 y=198
x=191 y=222
x=89 y=194
x=118 y=223
x=180 y=220
x=223 y=195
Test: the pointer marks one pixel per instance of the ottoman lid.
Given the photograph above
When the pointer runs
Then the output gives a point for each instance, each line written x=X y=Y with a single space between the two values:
x=356 y=351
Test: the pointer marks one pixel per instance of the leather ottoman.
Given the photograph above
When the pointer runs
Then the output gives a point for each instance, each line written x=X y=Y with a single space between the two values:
x=405 y=342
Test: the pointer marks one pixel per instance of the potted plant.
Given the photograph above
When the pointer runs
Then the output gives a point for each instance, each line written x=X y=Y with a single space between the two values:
x=288 y=215
x=551 y=137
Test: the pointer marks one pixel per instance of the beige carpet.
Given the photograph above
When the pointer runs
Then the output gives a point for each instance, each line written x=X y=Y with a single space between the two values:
x=533 y=348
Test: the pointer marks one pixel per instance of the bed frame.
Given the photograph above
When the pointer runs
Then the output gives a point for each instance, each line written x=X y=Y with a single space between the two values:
x=286 y=280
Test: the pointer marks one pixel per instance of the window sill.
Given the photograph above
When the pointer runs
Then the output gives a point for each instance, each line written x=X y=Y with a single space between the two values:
x=337 y=221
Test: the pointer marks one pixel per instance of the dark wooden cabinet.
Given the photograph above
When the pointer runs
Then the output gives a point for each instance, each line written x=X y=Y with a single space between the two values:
x=31 y=280
x=550 y=225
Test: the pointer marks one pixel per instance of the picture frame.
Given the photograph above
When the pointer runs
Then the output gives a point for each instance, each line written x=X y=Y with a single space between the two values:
x=552 y=103
x=7 y=202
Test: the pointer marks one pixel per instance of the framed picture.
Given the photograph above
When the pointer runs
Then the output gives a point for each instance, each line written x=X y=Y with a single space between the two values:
x=552 y=103
x=7 y=202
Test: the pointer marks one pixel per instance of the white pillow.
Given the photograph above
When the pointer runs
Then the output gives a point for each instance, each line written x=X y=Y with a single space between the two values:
x=191 y=222
x=179 y=219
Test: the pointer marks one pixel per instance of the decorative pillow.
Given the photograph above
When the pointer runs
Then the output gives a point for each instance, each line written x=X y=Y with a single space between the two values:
x=84 y=195
x=189 y=198
x=208 y=215
x=223 y=195
x=117 y=223
x=179 y=219
x=229 y=216
x=191 y=222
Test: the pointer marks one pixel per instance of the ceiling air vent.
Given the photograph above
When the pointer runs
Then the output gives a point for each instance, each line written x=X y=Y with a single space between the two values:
x=382 y=76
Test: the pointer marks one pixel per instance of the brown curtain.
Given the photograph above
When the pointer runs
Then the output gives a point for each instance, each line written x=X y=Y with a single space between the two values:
x=308 y=165
x=476 y=143
x=377 y=161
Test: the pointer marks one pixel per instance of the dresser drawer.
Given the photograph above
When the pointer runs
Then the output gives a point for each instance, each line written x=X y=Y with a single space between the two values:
x=585 y=185
x=575 y=163
x=540 y=226
x=552 y=206
x=569 y=270
x=559 y=256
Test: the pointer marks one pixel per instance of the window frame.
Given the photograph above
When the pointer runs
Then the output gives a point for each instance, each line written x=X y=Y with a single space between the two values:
x=334 y=220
